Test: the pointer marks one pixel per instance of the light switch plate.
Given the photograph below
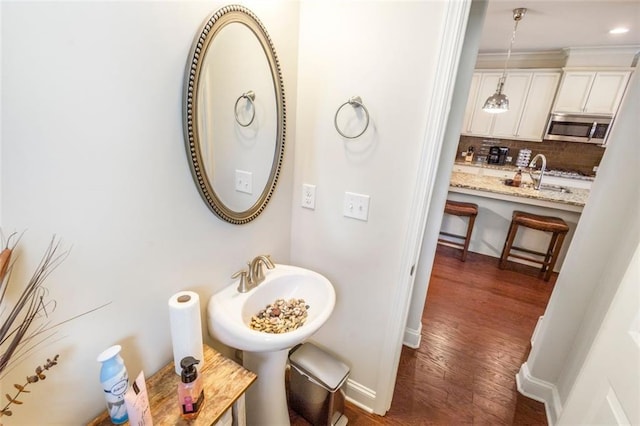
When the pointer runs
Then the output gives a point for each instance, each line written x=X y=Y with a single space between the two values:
x=243 y=181
x=356 y=206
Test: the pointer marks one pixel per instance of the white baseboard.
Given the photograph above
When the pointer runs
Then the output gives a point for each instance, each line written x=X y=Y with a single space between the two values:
x=412 y=337
x=535 y=331
x=360 y=396
x=541 y=391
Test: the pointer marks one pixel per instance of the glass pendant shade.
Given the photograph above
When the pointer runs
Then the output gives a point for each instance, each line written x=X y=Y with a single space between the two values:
x=496 y=103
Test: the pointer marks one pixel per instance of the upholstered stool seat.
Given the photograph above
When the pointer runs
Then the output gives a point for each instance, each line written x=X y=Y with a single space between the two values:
x=556 y=226
x=458 y=208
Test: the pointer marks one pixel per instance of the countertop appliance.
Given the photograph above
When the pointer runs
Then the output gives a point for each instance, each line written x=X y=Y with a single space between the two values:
x=579 y=128
x=497 y=155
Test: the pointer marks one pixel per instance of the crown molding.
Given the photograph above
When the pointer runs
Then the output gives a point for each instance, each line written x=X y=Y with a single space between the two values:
x=539 y=59
x=596 y=56
x=608 y=56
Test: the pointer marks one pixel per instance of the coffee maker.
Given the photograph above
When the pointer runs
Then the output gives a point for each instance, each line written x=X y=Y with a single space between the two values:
x=497 y=155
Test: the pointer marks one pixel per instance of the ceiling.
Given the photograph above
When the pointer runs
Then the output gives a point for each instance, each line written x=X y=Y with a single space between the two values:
x=557 y=24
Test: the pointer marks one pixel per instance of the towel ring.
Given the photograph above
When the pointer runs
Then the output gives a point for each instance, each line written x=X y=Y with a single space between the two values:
x=354 y=101
x=250 y=96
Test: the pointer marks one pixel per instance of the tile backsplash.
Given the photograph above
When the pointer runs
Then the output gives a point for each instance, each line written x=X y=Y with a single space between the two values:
x=579 y=157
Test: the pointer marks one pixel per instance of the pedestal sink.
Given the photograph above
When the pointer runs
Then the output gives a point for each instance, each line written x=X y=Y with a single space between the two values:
x=229 y=314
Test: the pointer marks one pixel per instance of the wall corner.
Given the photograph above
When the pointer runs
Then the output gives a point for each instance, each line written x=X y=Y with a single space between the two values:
x=541 y=391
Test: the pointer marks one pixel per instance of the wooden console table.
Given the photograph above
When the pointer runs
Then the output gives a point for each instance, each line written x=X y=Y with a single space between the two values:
x=224 y=382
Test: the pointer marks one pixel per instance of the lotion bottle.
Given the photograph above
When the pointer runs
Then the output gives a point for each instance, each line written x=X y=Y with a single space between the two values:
x=190 y=393
x=517 y=179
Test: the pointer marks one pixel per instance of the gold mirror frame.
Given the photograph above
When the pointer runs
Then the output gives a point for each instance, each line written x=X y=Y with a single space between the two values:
x=211 y=27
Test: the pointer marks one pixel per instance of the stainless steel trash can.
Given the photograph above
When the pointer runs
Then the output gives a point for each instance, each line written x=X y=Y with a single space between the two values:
x=317 y=382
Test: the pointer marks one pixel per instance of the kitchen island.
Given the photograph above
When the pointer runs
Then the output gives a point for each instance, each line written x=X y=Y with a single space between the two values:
x=494 y=187
x=496 y=203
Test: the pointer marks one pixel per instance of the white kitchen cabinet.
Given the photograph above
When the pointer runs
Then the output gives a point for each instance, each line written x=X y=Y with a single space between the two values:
x=478 y=122
x=516 y=87
x=592 y=92
x=473 y=95
x=530 y=94
x=535 y=114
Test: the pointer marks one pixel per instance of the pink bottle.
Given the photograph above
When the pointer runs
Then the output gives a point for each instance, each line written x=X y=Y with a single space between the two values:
x=190 y=393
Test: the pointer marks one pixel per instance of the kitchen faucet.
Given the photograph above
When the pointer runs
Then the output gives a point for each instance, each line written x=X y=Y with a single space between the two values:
x=537 y=182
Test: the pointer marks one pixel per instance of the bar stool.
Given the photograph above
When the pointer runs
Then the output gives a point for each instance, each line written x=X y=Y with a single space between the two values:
x=458 y=208
x=555 y=225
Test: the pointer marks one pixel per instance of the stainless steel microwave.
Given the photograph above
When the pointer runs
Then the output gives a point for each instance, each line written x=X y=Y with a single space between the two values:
x=578 y=128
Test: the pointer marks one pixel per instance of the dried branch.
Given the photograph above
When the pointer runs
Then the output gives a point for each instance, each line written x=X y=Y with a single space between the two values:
x=30 y=305
x=39 y=375
x=23 y=323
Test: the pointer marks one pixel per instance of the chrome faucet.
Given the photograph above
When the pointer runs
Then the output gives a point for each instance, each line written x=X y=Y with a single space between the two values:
x=537 y=182
x=254 y=275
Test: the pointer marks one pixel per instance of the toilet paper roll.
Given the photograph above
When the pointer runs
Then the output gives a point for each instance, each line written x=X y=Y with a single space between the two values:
x=186 y=328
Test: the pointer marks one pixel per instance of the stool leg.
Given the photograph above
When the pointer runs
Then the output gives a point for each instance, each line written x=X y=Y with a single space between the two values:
x=549 y=255
x=554 y=257
x=507 y=244
x=467 y=239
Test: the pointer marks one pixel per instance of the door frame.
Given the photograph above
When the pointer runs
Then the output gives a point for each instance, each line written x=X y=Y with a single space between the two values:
x=437 y=114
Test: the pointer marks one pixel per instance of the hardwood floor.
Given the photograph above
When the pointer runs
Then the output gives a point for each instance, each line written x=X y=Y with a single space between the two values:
x=477 y=323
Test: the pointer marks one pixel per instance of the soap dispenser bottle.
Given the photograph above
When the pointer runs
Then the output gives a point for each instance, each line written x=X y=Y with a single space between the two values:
x=517 y=179
x=190 y=392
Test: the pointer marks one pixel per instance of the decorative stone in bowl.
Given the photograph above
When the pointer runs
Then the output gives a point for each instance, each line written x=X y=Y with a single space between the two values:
x=229 y=315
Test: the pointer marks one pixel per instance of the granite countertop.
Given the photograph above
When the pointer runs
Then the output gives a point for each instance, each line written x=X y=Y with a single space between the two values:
x=513 y=168
x=576 y=197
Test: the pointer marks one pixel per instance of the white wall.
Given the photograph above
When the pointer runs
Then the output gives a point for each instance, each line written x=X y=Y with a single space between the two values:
x=607 y=390
x=93 y=151
x=447 y=155
x=604 y=243
x=383 y=52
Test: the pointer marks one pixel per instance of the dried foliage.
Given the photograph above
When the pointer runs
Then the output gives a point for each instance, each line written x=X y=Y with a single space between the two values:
x=27 y=323
x=39 y=375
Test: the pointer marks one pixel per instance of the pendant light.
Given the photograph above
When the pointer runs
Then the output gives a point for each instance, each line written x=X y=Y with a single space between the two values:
x=498 y=102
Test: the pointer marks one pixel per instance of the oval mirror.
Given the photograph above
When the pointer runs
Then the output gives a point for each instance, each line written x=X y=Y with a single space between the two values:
x=234 y=114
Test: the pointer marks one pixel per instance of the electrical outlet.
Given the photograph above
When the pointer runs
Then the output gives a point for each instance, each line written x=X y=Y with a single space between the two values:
x=356 y=206
x=243 y=181
x=308 y=196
